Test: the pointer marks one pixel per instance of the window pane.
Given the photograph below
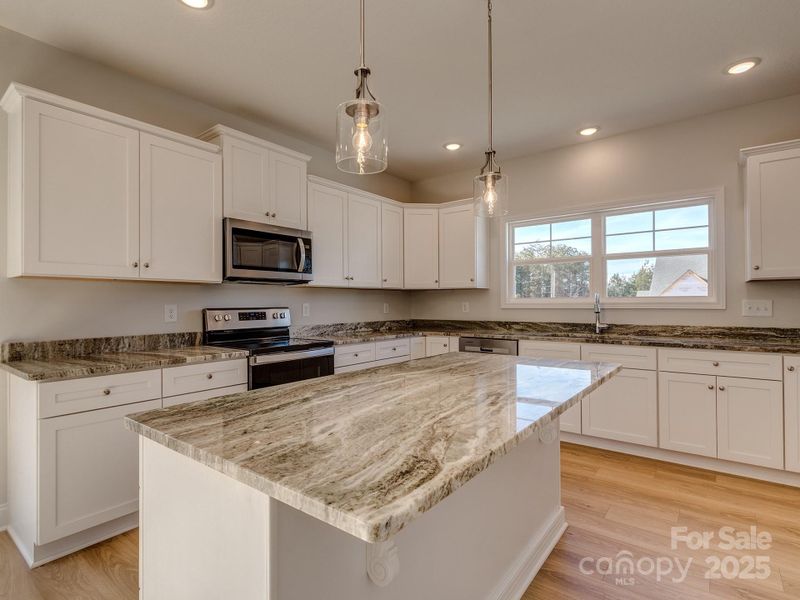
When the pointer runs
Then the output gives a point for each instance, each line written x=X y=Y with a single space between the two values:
x=561 y=280
x=676 y=239
x=572 y=229
x=688 y=216
x=642 y=221
x=531 y=251
x=662 y=276
x=531 y=233
x=631 y=242
x=579 y=247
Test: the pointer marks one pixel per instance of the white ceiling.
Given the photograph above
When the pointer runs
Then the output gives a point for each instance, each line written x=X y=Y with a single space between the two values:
x=559 y=64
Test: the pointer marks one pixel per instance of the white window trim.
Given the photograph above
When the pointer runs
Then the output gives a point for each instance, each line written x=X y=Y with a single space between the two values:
x=716 y=254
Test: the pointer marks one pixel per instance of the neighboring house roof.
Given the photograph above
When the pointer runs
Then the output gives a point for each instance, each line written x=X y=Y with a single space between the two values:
x=679 y=275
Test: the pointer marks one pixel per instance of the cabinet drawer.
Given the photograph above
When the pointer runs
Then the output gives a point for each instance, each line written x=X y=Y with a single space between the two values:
x=204 y=395
x=353 y=354
x=437 y=344
x=90 y=393
x=556 y=350
x=204 y=376
x=753 y=365
x=392 y=349
x=371 y=365
x=630 y=357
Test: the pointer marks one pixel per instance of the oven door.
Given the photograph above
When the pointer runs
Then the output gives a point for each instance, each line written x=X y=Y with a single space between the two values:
x=258 y=252
x=275 y=369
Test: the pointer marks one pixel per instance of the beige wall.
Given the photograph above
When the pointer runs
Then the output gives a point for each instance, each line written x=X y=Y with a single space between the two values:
x=33 y=309
x=696 y=153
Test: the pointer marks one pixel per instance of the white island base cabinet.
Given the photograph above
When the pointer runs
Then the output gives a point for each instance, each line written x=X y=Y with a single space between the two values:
x=484 y=542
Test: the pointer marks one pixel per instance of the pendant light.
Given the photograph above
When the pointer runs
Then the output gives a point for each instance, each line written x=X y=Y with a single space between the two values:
x=361 y=145
x=490 y=187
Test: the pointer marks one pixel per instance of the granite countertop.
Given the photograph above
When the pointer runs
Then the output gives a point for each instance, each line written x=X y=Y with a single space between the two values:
x=368 y=452
x=58 y=368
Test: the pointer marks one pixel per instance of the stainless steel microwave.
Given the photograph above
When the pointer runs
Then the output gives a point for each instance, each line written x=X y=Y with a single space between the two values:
x=256 y=252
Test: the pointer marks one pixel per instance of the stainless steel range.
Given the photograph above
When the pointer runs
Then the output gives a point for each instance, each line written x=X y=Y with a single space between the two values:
x=275 y=356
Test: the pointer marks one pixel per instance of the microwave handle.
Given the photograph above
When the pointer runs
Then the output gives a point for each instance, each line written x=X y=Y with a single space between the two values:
x=301 y=266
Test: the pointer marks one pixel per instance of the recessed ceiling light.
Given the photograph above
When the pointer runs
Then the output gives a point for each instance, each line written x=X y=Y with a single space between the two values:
x=743 y=66
x=587 y=131
x=452 y=146
x=197 y=3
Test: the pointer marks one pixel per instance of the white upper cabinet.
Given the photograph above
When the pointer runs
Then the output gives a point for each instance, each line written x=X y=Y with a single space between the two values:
x=93 y=194
x=263 y=182
x=421 y=248
x=392 y=245
x=327 y=220
x=772 y=190
x=363 y=241
x=74 y=193
x=181 y=212
x=462 y=247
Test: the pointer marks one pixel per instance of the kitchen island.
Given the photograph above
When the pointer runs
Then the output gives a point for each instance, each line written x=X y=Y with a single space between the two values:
x=316 y=490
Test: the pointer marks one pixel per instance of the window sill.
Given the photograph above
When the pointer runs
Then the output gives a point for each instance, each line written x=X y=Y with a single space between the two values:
x=613 y=304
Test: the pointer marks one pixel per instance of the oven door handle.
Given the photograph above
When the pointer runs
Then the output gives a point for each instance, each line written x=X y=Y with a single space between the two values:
x=301 y=265
x=266 y=359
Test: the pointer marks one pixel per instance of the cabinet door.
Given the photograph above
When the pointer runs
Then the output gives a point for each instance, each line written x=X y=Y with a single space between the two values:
x=687 y=410
x=791 y=397
x=88 y=470
x=417 y=347
x=750 y=421
x=81 y=195
x=437 y=344
x=247 y=180
x=364 y=241
x=624 y=409
x=181 y=211
x=287 y=179
x=570 y=420
x=392 y=246
x=327 y=211
x=421 y=248
x=773 y=181
x=457 y=247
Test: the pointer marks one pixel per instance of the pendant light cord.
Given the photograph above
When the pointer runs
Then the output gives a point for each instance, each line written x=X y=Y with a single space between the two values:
x=363 y=64
x=491 y=141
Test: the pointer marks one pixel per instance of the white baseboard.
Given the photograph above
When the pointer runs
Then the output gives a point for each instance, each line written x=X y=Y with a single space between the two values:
x=3 y=517
x=522 y=572
x=689 y=460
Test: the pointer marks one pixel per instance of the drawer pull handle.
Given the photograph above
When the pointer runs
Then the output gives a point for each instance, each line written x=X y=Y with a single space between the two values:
x=355 y=355
x=445 y=345
x=106 y=392
x=715 y=363
x=791 y=369
x=711 y=387
x=394 y=349
x=756 y=267
x=722 y=388
x=210 y=376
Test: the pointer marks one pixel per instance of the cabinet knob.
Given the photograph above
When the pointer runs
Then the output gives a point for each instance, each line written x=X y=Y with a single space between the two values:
x=790 y=369
x=146 y=265
x=274 y=215
x=435 y=281
x=445 y=345
x=210 y=376
x=711 y=387
x=394 y=349
x=106 y=392
x=715 y=363
x=472 y=279
x=355 y=355
x=756 y=267
x=267 y=214
x=385 y=280
x=136 y=264
x=722 y=388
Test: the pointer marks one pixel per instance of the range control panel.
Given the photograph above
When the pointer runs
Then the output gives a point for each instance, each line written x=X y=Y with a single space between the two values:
x=221 y=319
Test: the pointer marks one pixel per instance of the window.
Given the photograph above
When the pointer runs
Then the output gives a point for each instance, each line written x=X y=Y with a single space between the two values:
x=665 y=253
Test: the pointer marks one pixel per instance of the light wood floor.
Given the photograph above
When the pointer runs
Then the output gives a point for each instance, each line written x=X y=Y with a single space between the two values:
x=614 y=503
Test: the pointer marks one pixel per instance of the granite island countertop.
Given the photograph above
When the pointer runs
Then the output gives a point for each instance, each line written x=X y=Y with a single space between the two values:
x=368 y=452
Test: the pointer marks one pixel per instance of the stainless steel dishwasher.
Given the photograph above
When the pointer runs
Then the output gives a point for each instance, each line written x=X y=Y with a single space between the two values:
x=488 y=346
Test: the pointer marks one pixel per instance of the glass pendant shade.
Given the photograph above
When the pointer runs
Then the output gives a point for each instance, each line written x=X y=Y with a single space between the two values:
x=361 y=139
x=490 y=194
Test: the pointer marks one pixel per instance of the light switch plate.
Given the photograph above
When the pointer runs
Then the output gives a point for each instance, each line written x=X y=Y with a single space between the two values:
x=306 y=309
x=170 y=313
x=465 y=307
x=757 y=308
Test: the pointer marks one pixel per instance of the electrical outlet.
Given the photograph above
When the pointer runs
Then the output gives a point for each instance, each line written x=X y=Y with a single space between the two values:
x=386 y=308
x=306 y=309
x=170 y=313
x=757 y=308
x=465 y=307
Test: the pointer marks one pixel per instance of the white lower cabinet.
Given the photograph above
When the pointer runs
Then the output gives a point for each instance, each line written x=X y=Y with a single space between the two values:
x=570 y=420
x=357 y=357
x=417 y=347
x=687 y=408
x=624 y=409
x=791 y=398
x=88 y=470
x=437 y=344
x=750 y=421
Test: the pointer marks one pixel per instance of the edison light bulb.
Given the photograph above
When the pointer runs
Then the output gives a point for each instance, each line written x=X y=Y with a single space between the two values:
x=362 y=140
x=490 y=196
